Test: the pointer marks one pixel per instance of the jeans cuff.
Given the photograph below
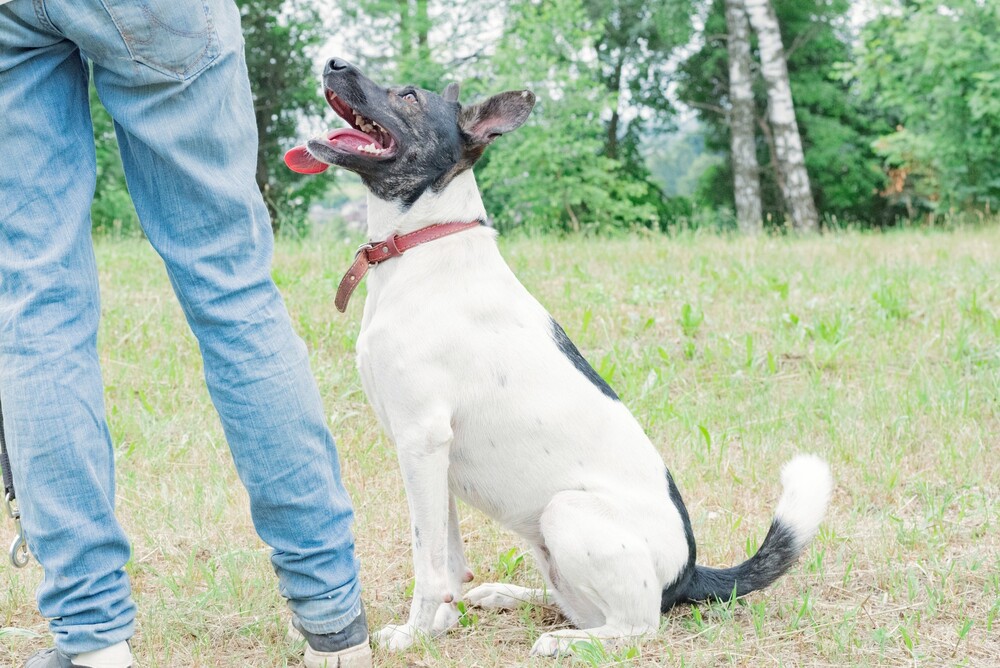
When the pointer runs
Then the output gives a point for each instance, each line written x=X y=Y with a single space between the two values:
x=316 y=616
x=80 y=642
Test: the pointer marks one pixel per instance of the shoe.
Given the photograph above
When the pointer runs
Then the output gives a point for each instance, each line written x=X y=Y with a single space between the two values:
x=347 y=648
x=51 y=658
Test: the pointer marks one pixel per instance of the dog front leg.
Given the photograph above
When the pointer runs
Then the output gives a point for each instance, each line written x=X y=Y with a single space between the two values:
x=423 y=459
x=458 y=568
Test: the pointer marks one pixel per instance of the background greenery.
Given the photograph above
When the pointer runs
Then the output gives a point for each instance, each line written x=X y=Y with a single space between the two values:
x=899 y=113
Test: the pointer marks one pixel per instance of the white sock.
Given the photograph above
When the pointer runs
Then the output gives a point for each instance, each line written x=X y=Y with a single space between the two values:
x=116 y=656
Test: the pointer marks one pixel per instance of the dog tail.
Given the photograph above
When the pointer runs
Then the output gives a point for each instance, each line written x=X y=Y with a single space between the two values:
x=807 y=485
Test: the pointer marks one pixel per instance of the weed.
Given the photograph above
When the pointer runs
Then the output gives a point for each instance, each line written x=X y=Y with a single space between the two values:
x=690 y=320
x=892 y=299
x=508 y=563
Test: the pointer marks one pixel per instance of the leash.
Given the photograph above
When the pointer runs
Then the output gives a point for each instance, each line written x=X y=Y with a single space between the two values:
x=373 y=252
x=19 y=548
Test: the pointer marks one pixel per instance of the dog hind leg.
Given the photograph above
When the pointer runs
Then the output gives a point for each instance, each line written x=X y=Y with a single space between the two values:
x=602 y=572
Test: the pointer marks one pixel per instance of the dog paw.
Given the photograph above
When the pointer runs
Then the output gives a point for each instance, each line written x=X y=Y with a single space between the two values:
x=500 y=596
x=561 y=643
x=396 y=637
x=549 y=644
x=446 y=617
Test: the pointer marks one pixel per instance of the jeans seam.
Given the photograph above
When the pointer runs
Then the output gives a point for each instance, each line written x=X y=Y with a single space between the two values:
x=209 y=54
x=118 y=27
x=43 y=16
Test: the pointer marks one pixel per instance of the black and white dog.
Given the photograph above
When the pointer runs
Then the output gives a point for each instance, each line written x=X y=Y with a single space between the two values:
x=488 y=400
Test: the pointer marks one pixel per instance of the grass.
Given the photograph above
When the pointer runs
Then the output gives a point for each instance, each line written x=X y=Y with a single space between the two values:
x=881 y=352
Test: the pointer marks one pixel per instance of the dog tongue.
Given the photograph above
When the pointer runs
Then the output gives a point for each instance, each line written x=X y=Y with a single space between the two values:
x=300 y=160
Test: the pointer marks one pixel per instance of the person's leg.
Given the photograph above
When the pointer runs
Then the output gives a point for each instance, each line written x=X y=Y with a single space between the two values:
x=50 y=380
x=175 y=81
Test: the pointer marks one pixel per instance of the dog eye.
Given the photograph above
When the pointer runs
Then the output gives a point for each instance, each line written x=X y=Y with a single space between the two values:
x=410 y=97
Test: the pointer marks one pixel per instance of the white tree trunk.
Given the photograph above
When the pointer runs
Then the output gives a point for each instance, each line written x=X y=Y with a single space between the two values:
x=781 y=111
x=746 y=171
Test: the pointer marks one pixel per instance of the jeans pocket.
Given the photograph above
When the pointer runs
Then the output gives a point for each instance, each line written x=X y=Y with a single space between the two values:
x=175 y=37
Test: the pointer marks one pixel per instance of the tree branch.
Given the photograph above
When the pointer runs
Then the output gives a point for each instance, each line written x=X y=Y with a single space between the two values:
x=801 y=40
x=708 y=107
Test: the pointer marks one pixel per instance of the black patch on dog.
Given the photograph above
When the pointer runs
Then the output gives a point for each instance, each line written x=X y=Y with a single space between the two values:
x=677 y=590
x=571 y=352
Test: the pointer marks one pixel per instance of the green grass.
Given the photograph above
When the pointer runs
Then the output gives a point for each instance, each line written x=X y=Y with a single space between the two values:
x=881 y=352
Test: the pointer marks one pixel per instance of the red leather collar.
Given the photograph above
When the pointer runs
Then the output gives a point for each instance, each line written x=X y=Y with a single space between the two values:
x=374 y=252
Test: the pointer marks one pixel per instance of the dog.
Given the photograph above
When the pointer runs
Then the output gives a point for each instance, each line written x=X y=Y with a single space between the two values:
x=489 y=401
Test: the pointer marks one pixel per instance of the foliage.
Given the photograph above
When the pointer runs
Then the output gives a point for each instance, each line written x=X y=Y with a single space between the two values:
x=936 y=70
x=634 y=40
x=550 y=174
x=420 y=42
x=596 y=154
x=678 y=160
x=837 y=127
x=282 y=37
x=111 y=211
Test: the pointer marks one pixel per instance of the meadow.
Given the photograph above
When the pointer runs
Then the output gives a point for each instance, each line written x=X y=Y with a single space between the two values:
x=878 y=351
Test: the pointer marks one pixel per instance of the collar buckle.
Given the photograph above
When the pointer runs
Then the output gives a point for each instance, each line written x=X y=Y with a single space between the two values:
x=364 y=248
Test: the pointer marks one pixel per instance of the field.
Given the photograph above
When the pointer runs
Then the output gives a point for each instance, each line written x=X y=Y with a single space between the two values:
x=880 y=352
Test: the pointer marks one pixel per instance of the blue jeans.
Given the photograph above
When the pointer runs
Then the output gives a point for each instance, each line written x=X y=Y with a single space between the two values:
x=173 y=75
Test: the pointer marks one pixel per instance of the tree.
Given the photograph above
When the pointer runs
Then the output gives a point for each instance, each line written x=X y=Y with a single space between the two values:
x=836 y=123
x=634 y=41
x=282 y=37
x=551 y=173
x=420 y=42
x=935 y=68
x=746 y=179
x=781 y=112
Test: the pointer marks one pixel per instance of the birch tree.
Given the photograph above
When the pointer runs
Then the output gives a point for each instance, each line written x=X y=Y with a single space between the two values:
x=746 y=174
x=634 y=41
x=781 y=112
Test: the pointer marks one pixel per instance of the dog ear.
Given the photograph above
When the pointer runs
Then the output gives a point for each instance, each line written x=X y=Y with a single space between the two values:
x=482 y=123
x=450 y=93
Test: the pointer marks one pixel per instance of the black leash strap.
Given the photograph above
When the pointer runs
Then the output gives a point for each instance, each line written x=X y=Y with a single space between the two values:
x=19 y=548
x=8 y=478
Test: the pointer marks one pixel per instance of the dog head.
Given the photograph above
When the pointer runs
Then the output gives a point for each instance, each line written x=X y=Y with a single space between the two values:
x=404 y=140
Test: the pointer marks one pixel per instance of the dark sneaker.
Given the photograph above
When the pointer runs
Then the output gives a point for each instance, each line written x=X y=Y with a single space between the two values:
x=348 y=648
x=51 y=658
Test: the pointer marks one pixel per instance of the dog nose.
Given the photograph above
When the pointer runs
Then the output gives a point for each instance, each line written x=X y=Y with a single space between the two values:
x=336 y=65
